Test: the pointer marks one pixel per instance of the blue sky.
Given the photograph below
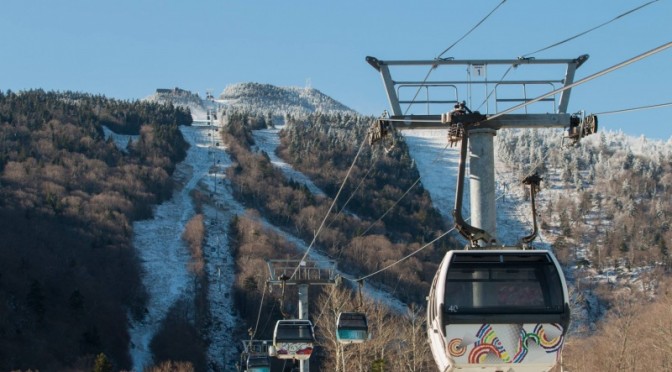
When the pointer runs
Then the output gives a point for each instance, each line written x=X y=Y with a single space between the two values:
x=128 y=48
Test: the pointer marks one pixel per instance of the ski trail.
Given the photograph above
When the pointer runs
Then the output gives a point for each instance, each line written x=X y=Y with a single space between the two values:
x=438 y=167
x=165 y=258
x=267 y=140
x=163 y=255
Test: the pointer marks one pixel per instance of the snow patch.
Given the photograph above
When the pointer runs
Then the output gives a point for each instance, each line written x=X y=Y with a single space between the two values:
x=165 y=257
x=120 y=140
x=267 y=140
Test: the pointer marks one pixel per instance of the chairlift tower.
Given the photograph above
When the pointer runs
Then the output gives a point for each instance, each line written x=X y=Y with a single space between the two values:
x=302 y=273
x=481 y=128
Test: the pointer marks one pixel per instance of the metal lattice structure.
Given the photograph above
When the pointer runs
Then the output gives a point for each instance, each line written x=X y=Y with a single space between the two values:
x=295 y=272
x=451 y=112
x=303 y=274
x=454 y=90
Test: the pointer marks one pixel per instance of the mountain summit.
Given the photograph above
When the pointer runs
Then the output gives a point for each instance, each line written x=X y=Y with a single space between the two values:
x=254 y=97
x=267 y=97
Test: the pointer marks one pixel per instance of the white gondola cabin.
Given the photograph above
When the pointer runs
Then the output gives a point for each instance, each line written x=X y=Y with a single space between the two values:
x=498 y=310
x=352 y=327
x=293 y=339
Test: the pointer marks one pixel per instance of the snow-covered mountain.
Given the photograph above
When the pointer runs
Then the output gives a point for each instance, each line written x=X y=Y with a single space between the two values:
x=284 y=100
x=184 y=98
x=265 y=99
x=568 y=174
x=165 y=257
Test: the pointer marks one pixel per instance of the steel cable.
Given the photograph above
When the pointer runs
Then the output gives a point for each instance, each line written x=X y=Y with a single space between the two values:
x=591 y=29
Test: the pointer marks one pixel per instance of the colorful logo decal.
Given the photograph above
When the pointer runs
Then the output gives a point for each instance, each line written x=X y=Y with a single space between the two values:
x=298 y=350
x=550 y=337
x=507 y=343
x=455 y=347
x=481 y=352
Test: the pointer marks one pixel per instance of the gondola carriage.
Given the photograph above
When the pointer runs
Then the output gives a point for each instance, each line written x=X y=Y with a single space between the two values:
x=293 y=339
x=352 y=327
x=258 y=363
x=494 y=309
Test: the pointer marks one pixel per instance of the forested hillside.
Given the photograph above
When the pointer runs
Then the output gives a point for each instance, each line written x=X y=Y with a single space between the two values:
x=353 y=233
x=606 y=204
x=289 y=205
x=266 y=98
x=605 y=210
x=69 y=278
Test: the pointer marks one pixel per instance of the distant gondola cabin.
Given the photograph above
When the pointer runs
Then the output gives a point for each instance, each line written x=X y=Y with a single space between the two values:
x=293 y=339
x=352 y=327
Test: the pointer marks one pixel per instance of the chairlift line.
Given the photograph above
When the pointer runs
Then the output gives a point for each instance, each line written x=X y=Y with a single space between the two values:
x=514 y=308
x=261 y=306
x=472 y=29
x=449 y=48
x=590 y=30
x=333 y=203
x=294 y=339
x=640 y=108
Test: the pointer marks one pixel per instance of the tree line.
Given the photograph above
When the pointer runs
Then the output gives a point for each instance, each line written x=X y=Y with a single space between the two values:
x=398 y=341
x=323 y=146
x=290 y=205
x=69 y=277
x=609 y=225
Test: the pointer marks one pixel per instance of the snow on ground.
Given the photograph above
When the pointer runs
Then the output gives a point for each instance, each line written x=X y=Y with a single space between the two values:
x=220 y=266
x=120 y=140
x=165 y=257
x=267 y=140
x=163 y=254
x=438 y=166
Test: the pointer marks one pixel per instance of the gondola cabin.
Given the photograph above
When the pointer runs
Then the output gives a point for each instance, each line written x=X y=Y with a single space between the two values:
x=498 y=310
x=258 y=363
x=352 y=327
x=293 y=339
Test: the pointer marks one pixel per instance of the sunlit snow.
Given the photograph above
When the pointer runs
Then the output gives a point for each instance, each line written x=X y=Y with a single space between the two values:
x=165 y=257
x=267 y=140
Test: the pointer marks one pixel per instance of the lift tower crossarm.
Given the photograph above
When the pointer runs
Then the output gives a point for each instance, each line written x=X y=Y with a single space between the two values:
x=383 y=67
x=480 y=128
x=502 y=122
x=378 y=64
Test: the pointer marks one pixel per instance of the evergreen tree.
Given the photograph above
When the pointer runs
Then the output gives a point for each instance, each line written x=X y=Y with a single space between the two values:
x=102 y=364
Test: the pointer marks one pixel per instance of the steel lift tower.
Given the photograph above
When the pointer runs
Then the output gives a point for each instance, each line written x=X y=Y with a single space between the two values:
x=444 y=102
x=302 y=273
